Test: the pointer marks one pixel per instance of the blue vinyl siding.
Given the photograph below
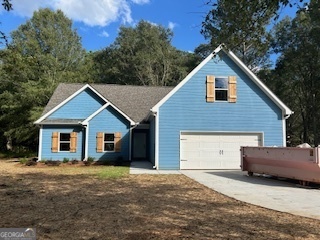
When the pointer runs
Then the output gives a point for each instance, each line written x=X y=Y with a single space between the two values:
x=187 y=110
x=80 y=107
x=46 y=144
x=109 y=121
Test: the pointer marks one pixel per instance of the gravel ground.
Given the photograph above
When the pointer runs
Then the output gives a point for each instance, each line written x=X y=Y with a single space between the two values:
x=72 y=202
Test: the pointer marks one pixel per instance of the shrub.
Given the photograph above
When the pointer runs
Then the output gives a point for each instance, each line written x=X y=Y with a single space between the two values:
x=23 y=160
x=65 y=160
x=53 y=163
x=74 y=161
x=31 y=162
x=89 y=161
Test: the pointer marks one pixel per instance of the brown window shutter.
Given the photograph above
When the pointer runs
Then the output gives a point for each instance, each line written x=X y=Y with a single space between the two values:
x=100 y=142
x=117 y=142
x=54 y=142
x=73 y=142
x=232 y=89
x=210 y=88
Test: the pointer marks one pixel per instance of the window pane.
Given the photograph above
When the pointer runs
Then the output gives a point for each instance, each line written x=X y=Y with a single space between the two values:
x=222 y=95
x=109 y=146
x=222 y=83
x=64 y=136
x=108 y=137
x=64 y=146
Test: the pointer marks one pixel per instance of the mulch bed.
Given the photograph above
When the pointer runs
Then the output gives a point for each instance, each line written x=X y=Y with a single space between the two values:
x=81 y=206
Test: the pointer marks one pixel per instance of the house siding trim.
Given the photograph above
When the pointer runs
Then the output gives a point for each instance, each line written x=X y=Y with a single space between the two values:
x=40 y=143
x=104 y=107
x=61 y=104
x=226 y=132
x=86 y=147
x=286 y=111
x=284 y=127
x=261 y=85
x=156 y=141
x=87 y=86
x=155 y=109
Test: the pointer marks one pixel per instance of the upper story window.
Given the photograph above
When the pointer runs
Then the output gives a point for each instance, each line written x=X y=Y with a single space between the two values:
x=221 y=89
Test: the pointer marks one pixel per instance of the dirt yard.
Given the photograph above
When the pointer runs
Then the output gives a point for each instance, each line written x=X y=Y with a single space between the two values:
x=74 y=203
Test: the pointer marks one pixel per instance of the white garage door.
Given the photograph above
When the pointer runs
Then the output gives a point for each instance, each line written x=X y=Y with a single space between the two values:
x=214 y=150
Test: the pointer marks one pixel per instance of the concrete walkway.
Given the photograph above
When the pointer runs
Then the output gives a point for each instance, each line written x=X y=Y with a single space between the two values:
x=266 y=192
x=144 y=167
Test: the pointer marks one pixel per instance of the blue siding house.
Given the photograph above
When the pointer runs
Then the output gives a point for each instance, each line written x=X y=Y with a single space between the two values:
x=200 y=124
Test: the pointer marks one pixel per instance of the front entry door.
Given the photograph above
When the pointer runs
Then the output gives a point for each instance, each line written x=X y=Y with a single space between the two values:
x=140 y=145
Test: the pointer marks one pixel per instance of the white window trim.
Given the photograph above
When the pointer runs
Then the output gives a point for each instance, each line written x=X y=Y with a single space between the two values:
x=226 y=89
x=59 y=141
x=104 y=142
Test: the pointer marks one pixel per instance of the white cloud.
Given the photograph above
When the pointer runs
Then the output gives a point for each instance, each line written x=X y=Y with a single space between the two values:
x=92 y=13
x=140 y=1
x=27 y=7
x=104 y=34
x=172 y=25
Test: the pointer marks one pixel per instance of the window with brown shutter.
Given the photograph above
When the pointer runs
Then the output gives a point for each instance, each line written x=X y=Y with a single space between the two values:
x=210 y=88
x=232 y=89
x=117 y=141
x=108 y=142
x=99 y=137
x=221 y=89
x=54 y=142
x=73 y=142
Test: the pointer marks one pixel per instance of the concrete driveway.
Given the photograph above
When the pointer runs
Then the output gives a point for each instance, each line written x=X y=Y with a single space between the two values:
x=266 y=192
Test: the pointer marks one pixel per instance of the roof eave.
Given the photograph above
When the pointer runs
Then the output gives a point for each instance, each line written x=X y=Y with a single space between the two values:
x=187 y=78
x=286 y=111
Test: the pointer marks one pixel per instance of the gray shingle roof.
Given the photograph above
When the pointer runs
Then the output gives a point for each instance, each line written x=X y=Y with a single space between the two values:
x=134 y=101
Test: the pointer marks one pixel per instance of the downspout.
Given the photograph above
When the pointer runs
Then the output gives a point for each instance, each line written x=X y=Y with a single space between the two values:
x=86 y=148
x=156 y=141
x=284 y=125
x=40 y=144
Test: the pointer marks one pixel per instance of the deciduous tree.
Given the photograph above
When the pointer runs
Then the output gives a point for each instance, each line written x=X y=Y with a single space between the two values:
x=143 y=55
x=44 y=51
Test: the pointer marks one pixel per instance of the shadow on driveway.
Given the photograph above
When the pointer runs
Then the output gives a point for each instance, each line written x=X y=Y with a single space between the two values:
x=280 y=195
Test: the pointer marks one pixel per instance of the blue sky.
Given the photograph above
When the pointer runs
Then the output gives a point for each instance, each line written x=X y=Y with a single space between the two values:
x=98 y=21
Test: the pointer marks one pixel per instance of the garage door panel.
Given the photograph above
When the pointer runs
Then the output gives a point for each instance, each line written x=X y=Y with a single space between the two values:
x=214 y=150
x=209 y=145
x=210 y=154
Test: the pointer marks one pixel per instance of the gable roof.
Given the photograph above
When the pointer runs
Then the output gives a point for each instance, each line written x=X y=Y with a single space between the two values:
x=286 y=111
x=134 y=102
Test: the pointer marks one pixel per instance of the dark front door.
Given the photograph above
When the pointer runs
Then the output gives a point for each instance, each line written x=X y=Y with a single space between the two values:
x=140 y=145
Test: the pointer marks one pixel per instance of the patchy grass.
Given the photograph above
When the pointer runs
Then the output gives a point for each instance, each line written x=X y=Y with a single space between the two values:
x=113 y=172
x=76 y=203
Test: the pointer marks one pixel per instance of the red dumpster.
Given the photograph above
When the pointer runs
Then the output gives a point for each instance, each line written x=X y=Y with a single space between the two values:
x=288 y=162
